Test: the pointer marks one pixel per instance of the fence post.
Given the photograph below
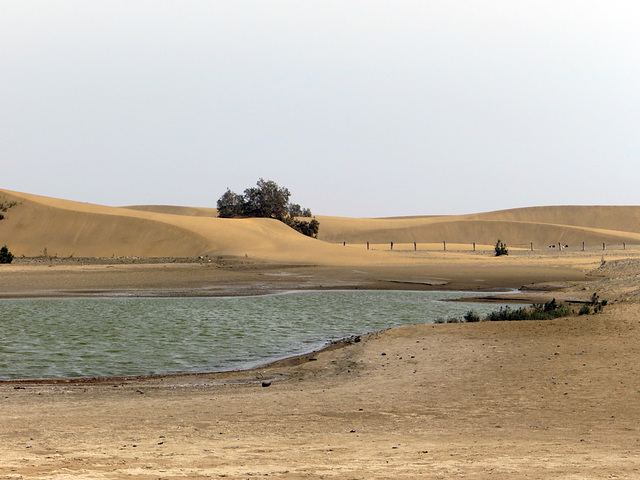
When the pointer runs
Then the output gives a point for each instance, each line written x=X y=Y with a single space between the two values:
x=367 y=245
x=583 y=246
x=415 y=246
x=604 y=246
x=474 y=246
x=391 y=245
x=532 y=246
x=445 y=245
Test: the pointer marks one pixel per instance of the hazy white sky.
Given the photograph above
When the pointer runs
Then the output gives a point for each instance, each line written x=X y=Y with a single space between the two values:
x=360 y=108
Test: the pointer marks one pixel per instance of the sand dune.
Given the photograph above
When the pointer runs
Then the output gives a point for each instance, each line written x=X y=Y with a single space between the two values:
x=543 y=226
x=177 y=210
x=41 y=225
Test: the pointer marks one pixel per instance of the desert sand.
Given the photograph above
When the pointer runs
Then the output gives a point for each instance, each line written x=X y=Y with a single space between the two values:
x=530 y=399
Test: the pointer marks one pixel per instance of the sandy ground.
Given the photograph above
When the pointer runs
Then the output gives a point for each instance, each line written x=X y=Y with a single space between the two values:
x=502 y=400
x=453 y=270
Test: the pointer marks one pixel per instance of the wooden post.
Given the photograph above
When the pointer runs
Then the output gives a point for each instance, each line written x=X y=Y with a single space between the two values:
x=391 y=245
x=532 y=246
x=583 y=246
x=367 y=245
x=415 y=246
x=344 y=244
x=474 y=246
x=604 y=246
x=445 y=245
x=624 y=245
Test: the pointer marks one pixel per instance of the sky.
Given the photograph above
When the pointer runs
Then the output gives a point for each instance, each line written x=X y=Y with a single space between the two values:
x=360 y=108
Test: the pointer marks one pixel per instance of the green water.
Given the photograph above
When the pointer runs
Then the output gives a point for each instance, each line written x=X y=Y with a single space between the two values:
x=89 y=337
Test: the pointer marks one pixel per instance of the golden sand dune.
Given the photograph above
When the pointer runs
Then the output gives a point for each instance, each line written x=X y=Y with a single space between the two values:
x=41 y=225
x=569 y=225
x=46 y=226
x=177 y=210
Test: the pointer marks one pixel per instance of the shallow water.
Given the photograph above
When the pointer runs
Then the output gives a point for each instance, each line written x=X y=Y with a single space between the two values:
x=88 y=337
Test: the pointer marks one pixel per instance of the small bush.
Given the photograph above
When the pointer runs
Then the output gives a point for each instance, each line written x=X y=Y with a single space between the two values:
x=585 y=310
x=4 y=206
x=472 y=317
x=545 y=311
x=501 y=249
x=5 y=255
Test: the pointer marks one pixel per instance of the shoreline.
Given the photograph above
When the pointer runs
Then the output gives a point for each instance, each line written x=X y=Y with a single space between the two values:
x=242 y=278
x=327 y=344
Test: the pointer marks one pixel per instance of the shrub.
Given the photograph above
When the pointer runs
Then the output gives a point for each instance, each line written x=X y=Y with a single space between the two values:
x=545 y=311
x=471 y=317
x=306 y=227
x=584 y=310
x=501 y=249
x=5 y=255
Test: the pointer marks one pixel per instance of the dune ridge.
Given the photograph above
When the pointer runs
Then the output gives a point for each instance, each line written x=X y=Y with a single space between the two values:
x=517 y=227
x=40 y=225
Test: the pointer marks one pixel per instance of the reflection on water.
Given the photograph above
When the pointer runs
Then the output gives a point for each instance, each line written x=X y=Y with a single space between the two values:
x=87 y=337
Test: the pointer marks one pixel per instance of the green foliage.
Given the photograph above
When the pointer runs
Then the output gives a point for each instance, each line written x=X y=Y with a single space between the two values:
x=501 y=249
x=471 y=317
x=306 y=227
x=5 y=255
x=269 y=200
x=545 y=311
x=230 y=205
x=538 y=311
x=584 y=310
x=295 y=210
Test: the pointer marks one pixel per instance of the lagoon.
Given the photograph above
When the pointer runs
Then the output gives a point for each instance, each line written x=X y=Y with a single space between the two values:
x=100 y=337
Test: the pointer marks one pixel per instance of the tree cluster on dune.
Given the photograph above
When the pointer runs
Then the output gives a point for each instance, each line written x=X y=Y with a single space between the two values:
x=268 y=200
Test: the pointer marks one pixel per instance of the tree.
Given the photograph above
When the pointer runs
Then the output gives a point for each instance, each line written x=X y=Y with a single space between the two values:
x=269 y=200
x=5 y=255
x=294 y=210
x=230 y=205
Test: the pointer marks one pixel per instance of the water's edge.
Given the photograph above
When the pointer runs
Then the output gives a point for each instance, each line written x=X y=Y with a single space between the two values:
x=287 y=351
